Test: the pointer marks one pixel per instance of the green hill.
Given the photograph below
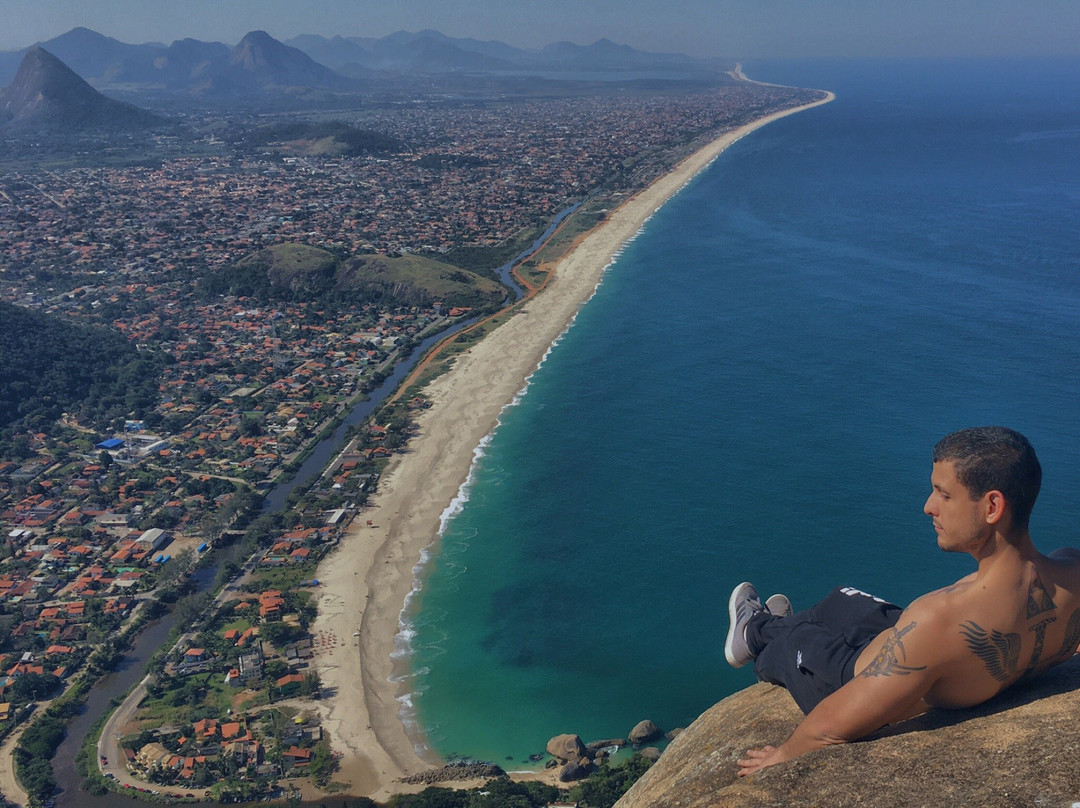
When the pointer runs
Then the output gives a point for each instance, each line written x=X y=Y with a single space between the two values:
x=331 y=139
x=298 y=272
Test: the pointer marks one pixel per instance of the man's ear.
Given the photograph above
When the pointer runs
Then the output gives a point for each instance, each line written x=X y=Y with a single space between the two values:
x=995 y=506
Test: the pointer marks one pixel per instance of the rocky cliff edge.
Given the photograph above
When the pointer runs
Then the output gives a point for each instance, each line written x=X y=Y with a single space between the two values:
x=1020 y=749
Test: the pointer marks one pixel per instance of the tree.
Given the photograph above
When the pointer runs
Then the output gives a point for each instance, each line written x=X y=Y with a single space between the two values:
x=604 y=788
x=33 y=687
x=275 y=669
x=431 y=798
x=212 y=526
x=322 y=764
x=280 y=634
x=19 y=448
x=189 y=608
x=502 y=792
x=95 y=786
x=33 y=756
x=233 y=790
x=250 y=427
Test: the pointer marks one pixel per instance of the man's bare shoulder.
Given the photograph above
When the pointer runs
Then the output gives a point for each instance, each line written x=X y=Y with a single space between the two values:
x=926 y=627
x=1061 y=571
x=942 y=604
x=1064 y=573
x=954 y=614
x=1068 y=555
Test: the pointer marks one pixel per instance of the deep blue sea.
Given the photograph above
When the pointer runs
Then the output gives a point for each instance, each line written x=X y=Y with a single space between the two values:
x=753 y=394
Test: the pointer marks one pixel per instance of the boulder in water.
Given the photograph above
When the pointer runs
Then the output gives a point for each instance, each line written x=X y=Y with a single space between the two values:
x=645 y=731
x=566 y=747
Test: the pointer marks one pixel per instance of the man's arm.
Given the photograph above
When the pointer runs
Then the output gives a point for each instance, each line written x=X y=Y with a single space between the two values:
x=889 y=689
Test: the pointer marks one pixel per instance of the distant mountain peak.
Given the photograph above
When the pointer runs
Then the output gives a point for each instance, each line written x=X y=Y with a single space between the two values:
x=270 y=62
x=86 y=36
x=47 y=93
x=260 y=36
x=43 y=81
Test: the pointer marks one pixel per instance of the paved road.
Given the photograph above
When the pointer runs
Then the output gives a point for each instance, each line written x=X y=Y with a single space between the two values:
x=108 y=747
x=9 y=786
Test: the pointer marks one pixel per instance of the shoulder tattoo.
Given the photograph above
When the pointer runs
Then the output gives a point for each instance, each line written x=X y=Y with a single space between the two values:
x=998 y=652
x=1072 y=635
x=1039 y=600
x=887 y=662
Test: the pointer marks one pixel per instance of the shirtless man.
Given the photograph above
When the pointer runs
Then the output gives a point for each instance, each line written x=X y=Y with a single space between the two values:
x=855 y=663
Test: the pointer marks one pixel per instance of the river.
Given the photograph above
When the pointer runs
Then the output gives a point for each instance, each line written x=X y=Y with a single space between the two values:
x=325 y=450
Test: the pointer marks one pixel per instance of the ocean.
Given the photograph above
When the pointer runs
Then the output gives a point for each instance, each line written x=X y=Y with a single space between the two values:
x=753 y=394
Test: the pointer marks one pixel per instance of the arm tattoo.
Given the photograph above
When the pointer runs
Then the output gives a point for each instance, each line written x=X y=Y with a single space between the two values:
x=1039 y=600
x=1072 y=636
x=998 y=652
x=886 y=663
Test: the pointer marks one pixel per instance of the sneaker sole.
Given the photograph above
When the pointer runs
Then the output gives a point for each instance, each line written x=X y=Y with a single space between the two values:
x=733 y=600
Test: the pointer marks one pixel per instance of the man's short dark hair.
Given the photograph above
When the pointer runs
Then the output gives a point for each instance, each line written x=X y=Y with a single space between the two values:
x=995 y=458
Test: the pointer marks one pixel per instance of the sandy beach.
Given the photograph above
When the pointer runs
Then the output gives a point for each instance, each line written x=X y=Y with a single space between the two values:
x=367 y=579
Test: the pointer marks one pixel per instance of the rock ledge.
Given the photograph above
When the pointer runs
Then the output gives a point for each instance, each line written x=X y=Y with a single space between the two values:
x=1022 y=748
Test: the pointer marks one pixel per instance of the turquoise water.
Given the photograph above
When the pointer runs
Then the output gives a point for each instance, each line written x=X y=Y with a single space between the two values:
x=753 y=393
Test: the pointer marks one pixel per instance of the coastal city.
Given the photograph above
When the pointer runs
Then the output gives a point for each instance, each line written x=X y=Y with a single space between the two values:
x=487 y=404
x=466 y=178
x=103 y=516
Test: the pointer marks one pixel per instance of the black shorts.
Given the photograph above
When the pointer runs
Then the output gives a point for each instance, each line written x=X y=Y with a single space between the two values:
x=812 y=653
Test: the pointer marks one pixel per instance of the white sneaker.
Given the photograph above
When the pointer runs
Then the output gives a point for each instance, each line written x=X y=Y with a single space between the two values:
x=743 y=604
x=779 y=606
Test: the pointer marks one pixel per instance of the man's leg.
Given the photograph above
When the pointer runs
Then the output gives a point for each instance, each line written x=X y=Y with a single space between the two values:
x=743 y=605
x=813 y=652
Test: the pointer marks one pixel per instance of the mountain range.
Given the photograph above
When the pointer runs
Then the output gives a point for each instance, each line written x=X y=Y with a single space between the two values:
x=260 y=63
x=432 y=52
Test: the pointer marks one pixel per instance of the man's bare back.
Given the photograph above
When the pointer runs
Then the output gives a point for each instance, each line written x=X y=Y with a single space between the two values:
x=1015 y=616
x=990 y=630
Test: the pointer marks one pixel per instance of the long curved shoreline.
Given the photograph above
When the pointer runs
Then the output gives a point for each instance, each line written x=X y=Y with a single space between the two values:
x=368 y=579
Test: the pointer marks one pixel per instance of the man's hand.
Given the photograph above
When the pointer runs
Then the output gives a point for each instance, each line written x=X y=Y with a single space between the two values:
x=758 y=759
x=890 y=688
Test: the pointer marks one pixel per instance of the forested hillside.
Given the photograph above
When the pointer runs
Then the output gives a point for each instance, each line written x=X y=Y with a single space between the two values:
x=48 y=366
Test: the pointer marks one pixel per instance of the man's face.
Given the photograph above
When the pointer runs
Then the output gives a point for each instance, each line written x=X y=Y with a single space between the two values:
x=959 y=520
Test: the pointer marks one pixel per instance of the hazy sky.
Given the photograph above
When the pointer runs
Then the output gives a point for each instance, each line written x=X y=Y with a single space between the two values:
x=726 y=28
